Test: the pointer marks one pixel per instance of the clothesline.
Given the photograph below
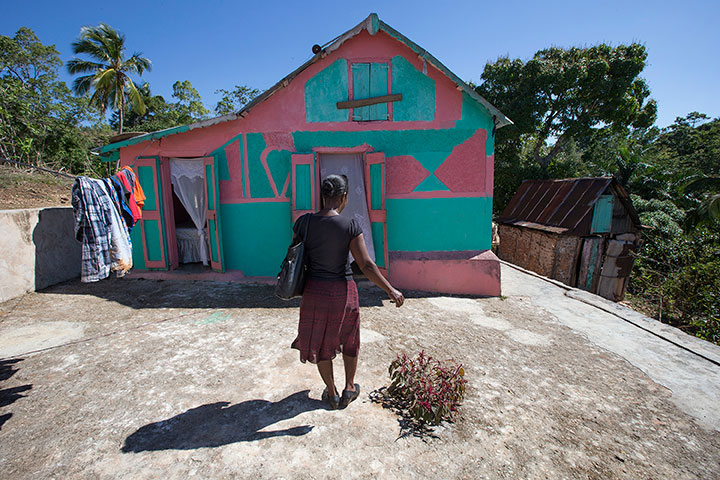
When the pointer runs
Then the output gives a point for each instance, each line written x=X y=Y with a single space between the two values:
x=105 y=212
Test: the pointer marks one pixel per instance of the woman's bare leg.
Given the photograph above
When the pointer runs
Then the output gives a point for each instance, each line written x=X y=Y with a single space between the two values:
x=350 y=369
x=325 y=367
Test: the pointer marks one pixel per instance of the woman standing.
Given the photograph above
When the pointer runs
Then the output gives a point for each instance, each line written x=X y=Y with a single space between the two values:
x=329 y=312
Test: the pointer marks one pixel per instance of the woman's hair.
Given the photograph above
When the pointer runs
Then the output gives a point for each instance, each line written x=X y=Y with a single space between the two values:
x=334 y=186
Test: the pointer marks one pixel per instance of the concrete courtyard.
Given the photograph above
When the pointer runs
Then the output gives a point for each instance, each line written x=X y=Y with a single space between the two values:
x=132 y=378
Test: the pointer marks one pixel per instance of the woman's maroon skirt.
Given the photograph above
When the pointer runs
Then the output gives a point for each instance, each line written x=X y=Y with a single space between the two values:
x=329 y=320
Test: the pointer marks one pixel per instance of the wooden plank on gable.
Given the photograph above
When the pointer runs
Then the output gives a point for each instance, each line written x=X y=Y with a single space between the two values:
x=369 y=101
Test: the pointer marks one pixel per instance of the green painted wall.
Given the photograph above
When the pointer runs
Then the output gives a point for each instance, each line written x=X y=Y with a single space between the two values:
x=279 y=163
x=256 y=236
x=429 y=147
x=439 y=224
x=324 y=90
x=137 y=246
x=222 y=161
x=420 y=144
x=418 y=91
x=476 y=116
x=379 y=243
x=259 y=184
x=431 y=184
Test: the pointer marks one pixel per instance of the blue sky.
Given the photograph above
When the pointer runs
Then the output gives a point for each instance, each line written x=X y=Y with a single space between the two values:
x=217 y=44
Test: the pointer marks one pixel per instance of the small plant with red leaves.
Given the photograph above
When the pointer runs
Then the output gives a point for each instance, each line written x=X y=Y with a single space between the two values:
x=429 y=390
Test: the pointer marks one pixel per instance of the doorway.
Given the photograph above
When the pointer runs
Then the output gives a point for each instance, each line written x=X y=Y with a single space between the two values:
x=352 y=166
x=187 y=176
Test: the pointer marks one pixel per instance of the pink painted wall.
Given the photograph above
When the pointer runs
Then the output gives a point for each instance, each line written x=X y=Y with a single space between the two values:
x=467 y=171
x=478 y=275
x=284 y=112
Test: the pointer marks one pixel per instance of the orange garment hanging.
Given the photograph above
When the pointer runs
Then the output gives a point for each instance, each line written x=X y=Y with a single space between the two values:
x=137 y=190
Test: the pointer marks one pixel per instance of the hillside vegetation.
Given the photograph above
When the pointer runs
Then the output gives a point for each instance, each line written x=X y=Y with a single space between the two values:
x=576 y=112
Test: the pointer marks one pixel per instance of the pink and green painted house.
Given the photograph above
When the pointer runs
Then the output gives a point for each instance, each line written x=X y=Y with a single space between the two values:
x=415 y=140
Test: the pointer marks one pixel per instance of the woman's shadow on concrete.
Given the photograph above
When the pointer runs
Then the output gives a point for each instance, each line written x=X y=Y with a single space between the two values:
x=220 y=423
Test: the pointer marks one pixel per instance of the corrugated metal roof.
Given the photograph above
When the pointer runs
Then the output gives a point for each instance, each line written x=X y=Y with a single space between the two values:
x=565 y=204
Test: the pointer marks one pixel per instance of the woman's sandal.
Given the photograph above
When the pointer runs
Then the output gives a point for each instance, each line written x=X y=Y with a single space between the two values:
x=348 y=396
x=333 y=400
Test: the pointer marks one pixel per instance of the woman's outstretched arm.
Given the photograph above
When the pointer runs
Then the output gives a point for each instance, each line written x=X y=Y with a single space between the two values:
x=371 y=271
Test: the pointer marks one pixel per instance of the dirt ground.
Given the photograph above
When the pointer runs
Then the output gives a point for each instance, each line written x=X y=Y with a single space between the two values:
x=29 y=188
x=177 y=379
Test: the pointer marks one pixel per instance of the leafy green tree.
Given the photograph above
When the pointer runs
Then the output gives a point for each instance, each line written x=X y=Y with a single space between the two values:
x=189 y=106
x=159 y=114
x=109 y=72
x=41 y=121
x=234 y=100
x=690 y=146
x=564 y=94
x=27 y=80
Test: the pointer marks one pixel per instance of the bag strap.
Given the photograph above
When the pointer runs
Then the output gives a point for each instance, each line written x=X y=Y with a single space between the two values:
x=307 y=225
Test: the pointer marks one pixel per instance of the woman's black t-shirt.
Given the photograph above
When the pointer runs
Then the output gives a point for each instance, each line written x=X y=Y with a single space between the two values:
x=328 y=244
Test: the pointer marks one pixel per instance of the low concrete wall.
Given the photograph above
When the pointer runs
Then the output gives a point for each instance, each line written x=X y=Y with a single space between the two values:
x=37 y=249
x=465 y=273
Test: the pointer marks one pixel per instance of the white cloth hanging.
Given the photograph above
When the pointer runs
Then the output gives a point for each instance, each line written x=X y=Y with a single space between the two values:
x=351 y=165
x=188 y=177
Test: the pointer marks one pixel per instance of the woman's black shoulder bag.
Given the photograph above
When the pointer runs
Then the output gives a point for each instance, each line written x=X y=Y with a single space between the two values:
x=291 y=279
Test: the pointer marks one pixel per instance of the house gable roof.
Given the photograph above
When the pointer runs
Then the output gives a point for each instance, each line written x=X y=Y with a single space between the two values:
x=560 y=206
x=372 y=24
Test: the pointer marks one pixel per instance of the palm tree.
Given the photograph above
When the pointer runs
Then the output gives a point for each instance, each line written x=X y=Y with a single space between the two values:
x=108 y=71
x=709 y=188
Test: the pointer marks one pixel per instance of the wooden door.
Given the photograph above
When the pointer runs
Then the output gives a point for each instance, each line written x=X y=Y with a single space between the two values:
x=591 y=260
x=375 y=190
x=152 y=224
x=214 y=228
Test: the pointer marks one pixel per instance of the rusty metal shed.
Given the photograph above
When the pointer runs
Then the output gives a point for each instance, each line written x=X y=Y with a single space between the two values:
x=580 y=231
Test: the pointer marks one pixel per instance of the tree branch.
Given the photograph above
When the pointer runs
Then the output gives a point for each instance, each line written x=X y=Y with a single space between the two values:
x=557 y=148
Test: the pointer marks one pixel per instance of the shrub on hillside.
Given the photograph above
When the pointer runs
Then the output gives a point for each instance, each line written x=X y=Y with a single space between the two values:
x=677 y=274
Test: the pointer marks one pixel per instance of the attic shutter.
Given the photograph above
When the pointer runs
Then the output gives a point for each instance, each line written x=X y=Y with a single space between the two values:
x=375 y=189
x=370 y=80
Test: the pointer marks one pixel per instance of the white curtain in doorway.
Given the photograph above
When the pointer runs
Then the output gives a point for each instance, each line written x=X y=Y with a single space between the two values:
x=352 y=166
x=188 y=178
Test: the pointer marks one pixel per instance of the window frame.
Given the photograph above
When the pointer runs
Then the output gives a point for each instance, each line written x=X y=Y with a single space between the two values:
x=351 y=90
